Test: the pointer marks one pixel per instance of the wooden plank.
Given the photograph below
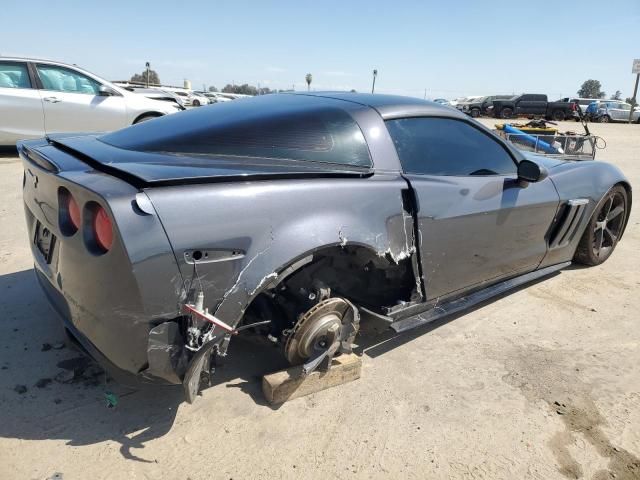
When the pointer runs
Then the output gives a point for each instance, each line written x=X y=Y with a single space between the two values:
x=288 y=384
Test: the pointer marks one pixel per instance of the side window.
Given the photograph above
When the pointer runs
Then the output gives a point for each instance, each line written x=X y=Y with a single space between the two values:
x=441 y=146
x=62 y=79
x=14 y=75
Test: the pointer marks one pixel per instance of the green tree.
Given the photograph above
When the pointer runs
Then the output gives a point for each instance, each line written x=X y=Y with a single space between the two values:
x=591 y=89
x=632 y=101
x=213 y=89
x=154 y=79
x=617 y=95
x=244 y=89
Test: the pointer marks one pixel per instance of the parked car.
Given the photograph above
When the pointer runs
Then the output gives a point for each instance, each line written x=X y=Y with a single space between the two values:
x=187 y=98
x=615 y=111
x=532 y=105
x=199 y=99
x=219 y=97
x=211 y=97
x=158 y=94
x=583 y=103
x=483 y=105
x=39 y=97
x=442 y=101
x=456 y=101
x=466 y=101
x=196 y=226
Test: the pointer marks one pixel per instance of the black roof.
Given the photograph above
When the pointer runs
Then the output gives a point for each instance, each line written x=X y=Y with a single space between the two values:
x=390 y=106
x=196 y=125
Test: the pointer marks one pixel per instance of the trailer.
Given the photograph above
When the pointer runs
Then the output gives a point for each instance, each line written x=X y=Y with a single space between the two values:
x=541 y=139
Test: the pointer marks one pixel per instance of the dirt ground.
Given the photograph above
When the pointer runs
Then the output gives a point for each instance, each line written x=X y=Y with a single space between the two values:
x=543 y=384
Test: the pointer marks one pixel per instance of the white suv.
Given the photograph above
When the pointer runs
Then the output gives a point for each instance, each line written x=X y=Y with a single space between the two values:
x=39 y=97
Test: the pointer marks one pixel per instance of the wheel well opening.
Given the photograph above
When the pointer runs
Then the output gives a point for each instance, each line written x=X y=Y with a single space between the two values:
x=147 y=114
x=355 y=273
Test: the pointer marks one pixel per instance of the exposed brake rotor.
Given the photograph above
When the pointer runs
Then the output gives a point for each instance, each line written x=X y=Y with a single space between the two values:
x=329 y=327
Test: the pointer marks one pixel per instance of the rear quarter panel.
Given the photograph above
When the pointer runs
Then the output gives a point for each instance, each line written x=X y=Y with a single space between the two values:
x=274 y=223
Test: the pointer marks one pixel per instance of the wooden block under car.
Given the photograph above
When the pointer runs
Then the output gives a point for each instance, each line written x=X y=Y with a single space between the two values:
x=288 y=384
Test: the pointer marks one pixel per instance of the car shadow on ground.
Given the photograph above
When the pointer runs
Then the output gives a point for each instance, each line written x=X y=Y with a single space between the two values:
x=52 y=392
x=48 y=392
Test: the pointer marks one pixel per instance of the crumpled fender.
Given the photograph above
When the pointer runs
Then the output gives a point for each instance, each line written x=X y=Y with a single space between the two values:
x=270 y=225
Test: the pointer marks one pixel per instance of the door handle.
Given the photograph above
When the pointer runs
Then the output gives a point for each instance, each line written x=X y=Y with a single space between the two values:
x=52 y=99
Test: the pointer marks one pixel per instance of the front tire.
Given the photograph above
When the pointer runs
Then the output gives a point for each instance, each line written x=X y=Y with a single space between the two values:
x=604 y=229
x=558 y=115
x=604 y=119
x=475 y=113
x=196 y=103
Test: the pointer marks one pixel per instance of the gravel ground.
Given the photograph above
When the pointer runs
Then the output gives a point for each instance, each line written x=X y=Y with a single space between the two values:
x=542 y=383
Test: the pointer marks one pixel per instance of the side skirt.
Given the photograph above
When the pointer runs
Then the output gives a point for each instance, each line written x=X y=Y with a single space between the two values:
x=462 y=303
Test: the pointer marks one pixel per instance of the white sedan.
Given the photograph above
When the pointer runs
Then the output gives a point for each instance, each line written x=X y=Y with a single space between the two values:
x=39 y=97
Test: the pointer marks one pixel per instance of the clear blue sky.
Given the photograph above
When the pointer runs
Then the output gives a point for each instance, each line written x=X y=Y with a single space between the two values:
x=451 y=48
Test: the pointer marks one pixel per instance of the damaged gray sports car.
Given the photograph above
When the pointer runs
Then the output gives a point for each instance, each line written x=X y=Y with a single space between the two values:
x=295 y=215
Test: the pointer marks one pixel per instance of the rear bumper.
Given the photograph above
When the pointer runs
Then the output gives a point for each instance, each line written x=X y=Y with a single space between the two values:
x=60 y=306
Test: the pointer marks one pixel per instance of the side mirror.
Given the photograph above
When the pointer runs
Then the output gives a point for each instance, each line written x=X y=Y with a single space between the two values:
x=105 y=91
x=529 y=171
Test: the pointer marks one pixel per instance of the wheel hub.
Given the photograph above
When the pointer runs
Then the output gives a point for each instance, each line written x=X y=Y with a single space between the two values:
x=329 y=326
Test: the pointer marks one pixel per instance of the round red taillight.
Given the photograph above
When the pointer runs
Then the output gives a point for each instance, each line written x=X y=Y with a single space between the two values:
x=74 y=211
x=102 y=229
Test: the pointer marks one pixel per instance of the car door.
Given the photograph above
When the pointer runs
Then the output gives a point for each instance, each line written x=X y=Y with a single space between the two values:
x=622 y=112
x=477 y=223
x=21 y=114
x=73 y=102
x=538 y=105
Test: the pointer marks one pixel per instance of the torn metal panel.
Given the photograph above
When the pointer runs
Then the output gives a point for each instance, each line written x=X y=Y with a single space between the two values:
x=289 y=219
x=167 y=356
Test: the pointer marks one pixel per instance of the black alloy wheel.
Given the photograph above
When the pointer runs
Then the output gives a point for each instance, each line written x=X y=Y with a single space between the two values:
x=604 y=229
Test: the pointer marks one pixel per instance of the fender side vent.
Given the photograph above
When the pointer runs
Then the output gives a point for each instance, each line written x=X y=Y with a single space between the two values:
x=570 y=219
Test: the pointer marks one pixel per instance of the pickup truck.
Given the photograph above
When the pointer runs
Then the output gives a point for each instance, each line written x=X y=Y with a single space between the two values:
x=533 y=105
x=482 y=106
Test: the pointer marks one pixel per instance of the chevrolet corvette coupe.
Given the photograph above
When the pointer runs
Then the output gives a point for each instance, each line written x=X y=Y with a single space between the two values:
x=296 y=215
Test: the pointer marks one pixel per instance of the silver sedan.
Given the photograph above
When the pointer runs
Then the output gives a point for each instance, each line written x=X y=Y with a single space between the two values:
x=39 y=97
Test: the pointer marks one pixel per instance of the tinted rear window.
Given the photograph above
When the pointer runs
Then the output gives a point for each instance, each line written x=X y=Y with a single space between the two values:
x=293 y=128
x=534 y=98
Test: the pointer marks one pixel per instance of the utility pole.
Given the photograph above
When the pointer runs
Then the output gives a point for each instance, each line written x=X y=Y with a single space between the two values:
x=147 y=65
x=373 y=85
x=635 y=69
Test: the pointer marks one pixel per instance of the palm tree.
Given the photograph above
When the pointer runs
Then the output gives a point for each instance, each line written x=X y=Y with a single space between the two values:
x=308 y=79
